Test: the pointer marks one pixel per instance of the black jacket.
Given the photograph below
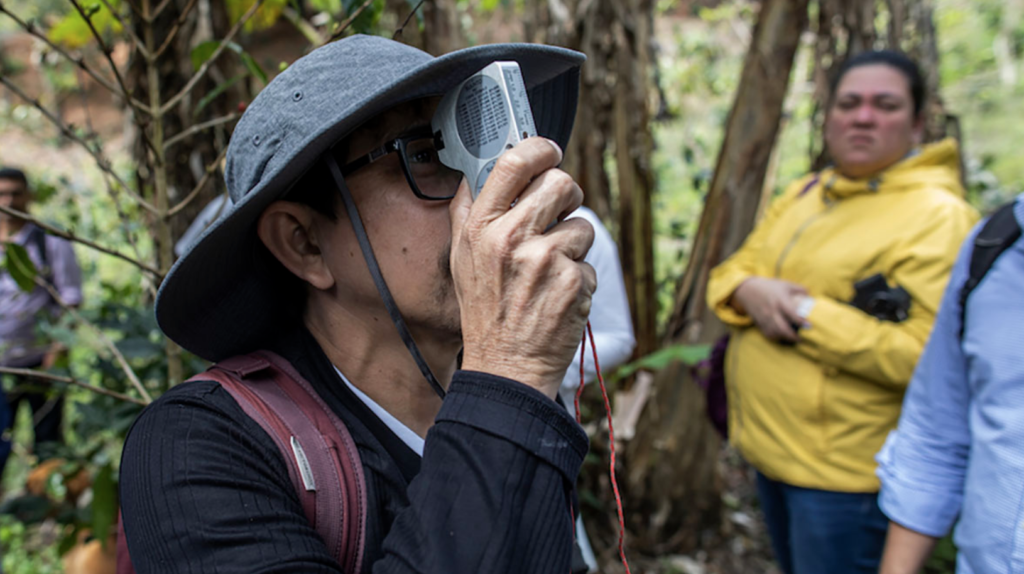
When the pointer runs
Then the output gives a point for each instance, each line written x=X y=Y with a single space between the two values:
x=204 y=489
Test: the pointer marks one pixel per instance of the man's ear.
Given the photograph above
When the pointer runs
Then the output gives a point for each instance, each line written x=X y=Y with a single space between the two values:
x=286 y=228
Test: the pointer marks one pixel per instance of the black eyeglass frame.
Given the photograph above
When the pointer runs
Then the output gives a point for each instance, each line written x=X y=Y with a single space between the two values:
x=398 y=144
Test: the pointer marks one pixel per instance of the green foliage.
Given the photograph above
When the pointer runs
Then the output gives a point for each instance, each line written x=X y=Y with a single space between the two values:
x=104 y=502
x=73 y=31
x=204 y=51
x=988 y=109
x=700 y=70
x=943 y=559
x=687 y=354
x=265 y=17
x=23 y=551
x=366 y=22
x=328 y=6
x=19 y=266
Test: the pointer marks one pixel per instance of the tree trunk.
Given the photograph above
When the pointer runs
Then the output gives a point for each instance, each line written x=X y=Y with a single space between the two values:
x=441 y=30
x=633 y=147
x=187 y=159
x=673 y=492
x=613 y=120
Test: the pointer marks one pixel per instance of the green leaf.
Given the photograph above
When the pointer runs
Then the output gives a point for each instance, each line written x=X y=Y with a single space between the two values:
x=72 y=30
x=216 y=92
x=253 y=67
x=686 y=354
x=68 y=541
x=265 y=17
x=203 y=52
x=21 y=268
x=330 y=6
x=104 y=503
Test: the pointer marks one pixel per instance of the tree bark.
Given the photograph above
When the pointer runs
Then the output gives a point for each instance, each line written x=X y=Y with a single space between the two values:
x=633 y=148
x=441 y=30
x=187 y=159
x=673 y=491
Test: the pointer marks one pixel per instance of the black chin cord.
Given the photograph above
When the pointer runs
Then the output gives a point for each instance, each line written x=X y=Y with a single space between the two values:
x=378 y=278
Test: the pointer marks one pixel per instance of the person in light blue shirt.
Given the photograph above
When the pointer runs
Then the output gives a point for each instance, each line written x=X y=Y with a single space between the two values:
x=957 y=455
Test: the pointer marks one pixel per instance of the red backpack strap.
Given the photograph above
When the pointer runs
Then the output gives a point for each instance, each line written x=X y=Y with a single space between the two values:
x=322 y=459
x=123 y=564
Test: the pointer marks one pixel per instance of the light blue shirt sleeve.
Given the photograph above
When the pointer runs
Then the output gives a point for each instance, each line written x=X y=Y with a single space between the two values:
x=923 y=464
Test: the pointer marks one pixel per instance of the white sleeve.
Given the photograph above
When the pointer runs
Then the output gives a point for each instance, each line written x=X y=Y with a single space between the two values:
x=609 y=314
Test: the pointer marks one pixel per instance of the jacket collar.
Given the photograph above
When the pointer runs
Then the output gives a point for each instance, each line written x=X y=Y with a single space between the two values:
x=934 y=165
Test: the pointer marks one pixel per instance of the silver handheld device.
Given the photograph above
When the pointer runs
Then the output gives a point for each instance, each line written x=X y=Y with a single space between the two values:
x=481 y=118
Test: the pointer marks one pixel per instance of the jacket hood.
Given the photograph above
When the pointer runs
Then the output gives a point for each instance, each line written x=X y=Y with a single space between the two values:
x=935 y=165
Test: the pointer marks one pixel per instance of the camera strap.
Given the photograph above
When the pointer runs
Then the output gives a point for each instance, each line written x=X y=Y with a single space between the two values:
x=378 y=278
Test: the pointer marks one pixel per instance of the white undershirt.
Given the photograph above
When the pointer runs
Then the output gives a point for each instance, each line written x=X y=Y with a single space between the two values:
x=411 y=439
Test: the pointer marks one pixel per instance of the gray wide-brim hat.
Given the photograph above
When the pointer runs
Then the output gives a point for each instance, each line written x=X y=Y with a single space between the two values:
x=219 y=299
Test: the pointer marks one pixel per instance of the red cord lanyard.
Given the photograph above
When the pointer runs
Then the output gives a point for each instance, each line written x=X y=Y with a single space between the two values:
x=611 y=434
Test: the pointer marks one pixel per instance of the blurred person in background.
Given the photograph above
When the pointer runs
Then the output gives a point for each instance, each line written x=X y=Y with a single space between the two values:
x=22 y=312
x=832 y=298
x=958 y=453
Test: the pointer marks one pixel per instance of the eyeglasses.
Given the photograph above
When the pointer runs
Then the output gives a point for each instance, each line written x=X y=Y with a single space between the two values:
x=427 y=176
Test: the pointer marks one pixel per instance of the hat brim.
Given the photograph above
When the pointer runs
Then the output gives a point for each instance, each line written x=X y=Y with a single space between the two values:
x=221 y=299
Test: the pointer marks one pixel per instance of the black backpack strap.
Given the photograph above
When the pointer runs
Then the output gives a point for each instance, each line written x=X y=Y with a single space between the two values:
x=37 y=237
x=1000 y=232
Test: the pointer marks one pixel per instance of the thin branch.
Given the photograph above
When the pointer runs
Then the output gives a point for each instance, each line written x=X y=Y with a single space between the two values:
x=303 y=26
x=348 y=21
x=106 y=177
x=107 y=51
x=128 y=28
x=99 y=159
x=85 y=105
x=398 y=32
x=128 y=371
x=198 y=128
x=32 y=29
x=122 y=217
x=47 y=377
x=158 y=10
x=213 y=57
x=174 y=29
x=210 y=169
x=72 y=237
x=135 y=8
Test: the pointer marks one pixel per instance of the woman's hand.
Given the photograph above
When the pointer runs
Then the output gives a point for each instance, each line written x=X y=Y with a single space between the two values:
x=772 y=304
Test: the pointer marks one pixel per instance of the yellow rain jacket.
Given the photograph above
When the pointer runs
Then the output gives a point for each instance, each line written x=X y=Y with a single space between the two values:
x=815 y=414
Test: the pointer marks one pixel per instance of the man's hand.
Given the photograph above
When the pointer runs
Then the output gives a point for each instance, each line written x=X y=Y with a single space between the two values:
x=524 y=293
x=772 y=304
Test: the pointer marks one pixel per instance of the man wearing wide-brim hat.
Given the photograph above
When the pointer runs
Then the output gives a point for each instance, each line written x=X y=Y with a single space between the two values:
x=353 y=254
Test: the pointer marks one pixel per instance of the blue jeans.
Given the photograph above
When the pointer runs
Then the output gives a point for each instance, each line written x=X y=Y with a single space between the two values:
x=821 y=531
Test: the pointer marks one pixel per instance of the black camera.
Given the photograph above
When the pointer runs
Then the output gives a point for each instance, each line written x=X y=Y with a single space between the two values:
x=877 y=298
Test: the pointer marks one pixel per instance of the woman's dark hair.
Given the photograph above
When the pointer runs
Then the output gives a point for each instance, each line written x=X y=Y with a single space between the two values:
x=14 y=174
x=896 y=60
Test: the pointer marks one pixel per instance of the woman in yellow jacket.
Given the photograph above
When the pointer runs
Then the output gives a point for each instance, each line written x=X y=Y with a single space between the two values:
x=814 y=382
